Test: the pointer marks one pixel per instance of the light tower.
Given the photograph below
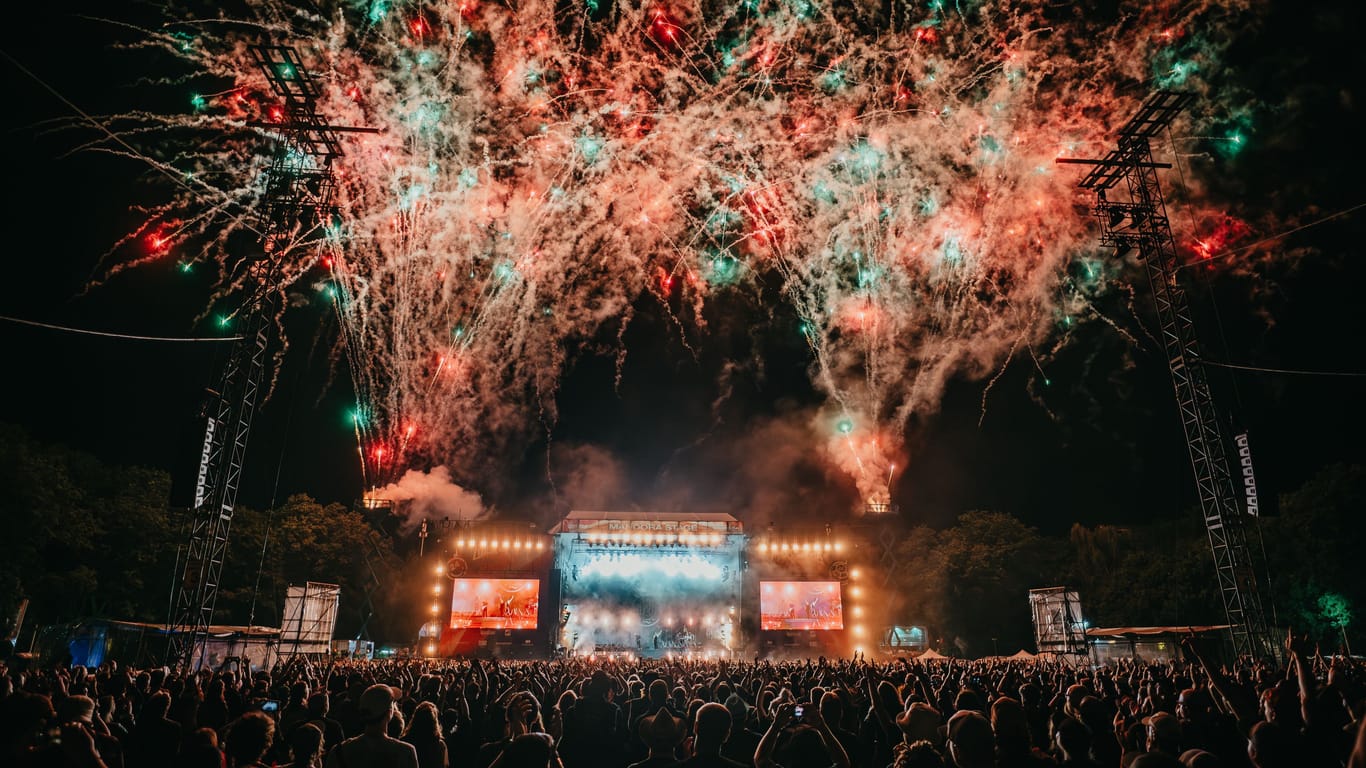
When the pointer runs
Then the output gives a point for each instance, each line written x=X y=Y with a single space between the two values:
x=296 y=205
x=1142 y=224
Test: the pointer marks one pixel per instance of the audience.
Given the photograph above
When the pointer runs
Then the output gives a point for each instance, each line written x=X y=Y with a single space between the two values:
x=615 y=713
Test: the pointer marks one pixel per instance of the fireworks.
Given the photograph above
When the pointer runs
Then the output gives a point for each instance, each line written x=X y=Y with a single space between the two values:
x=543 y=168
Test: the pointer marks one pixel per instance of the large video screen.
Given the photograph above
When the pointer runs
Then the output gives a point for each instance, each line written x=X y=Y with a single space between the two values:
x=495 y=603
x=800 y=605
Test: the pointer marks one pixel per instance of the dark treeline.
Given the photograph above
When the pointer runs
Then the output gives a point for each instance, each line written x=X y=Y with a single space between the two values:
x=85 y=539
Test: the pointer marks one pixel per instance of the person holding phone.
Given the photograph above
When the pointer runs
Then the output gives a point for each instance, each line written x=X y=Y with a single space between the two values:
x=812 y=744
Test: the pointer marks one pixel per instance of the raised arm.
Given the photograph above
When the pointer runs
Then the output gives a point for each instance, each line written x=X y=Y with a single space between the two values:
x=832 y=745
x=763 y=755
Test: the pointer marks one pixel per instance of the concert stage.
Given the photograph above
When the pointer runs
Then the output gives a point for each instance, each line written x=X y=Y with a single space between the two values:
x=645 y=585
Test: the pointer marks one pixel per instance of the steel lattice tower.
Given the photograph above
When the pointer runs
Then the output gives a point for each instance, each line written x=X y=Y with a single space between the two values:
x=296 y=204
x=1142 y=224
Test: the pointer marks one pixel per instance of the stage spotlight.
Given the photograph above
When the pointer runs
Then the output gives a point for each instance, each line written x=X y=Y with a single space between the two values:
x=440 y=569
x=540 y=545
x=460 y=542
x=431 y=649
x=854 y=591
x=784 y=546
x=806 y=547
x=1116 y=216
x=853 y=574
x=858 y=630
x=839 y=545
x=505 y=543
x=517 y=544
x=435 y=608
x=436 y=590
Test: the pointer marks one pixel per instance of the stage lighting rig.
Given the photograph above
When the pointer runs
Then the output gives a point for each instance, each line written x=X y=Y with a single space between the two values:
x=296 y=208
x=1149 y=230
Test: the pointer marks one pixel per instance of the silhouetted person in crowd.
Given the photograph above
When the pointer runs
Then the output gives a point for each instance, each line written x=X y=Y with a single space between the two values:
x=305 y=744
x=424 y=733
x=247 y=738
x=374 y=747
x=712 y=728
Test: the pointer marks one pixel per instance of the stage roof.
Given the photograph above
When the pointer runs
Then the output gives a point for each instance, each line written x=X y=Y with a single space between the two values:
x=1146 y=631
x=578 y=516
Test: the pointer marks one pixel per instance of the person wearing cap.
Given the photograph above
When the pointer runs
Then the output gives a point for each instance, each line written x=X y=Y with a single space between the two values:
x=374 y=748
x=79 y=711
x=971 y=741
x=662 y=733
x=1164 y=733
x=742 y=742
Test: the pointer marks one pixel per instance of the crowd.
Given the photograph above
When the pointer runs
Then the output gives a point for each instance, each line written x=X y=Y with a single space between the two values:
x=594 y=713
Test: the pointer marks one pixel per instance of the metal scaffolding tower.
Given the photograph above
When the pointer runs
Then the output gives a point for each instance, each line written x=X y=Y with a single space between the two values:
x=297 y=202
x=1142 y=224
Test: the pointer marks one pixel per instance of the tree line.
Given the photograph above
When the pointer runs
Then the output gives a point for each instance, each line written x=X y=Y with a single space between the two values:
x=85 y=539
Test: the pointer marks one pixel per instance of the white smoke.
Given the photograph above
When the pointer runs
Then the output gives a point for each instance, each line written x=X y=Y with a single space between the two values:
x=419 y=495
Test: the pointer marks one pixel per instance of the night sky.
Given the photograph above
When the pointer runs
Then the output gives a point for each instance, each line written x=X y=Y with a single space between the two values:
x=1100 y=444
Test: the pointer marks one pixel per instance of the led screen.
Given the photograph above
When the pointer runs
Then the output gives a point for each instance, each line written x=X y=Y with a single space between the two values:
x=495 y=603
x=800 y=605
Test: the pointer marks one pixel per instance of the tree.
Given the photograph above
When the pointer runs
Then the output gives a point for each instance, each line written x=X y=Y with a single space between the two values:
x=302 y=541
x=82 y=538
x=1314 y=548
x=1158 y=574
x=972 y=581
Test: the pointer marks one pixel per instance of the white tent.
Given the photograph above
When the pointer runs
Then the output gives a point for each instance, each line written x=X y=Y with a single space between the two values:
x=1023 y=655
x=932 y=655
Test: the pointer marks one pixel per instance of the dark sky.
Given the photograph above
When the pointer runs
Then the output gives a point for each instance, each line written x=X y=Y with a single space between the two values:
x=1106 y=448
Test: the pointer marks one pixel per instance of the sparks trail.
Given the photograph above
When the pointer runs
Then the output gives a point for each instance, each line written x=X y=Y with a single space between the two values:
x=541 y=171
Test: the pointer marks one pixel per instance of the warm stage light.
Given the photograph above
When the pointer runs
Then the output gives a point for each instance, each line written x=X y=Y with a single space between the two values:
x=440 y=570
x=431 y=649
x=853 y=574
